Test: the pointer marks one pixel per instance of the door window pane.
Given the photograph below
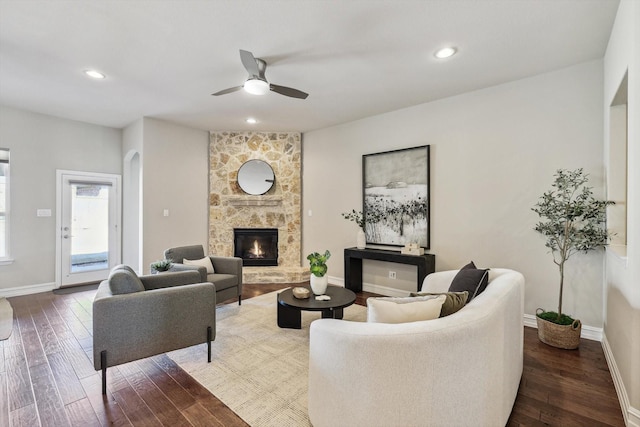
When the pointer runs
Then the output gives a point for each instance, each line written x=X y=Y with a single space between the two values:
x=89 y=227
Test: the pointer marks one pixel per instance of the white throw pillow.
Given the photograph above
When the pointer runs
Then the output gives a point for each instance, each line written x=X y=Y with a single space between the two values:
x=204 y=262
x=402 y=310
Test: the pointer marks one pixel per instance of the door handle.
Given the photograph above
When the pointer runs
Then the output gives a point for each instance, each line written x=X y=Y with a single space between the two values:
x=66 y=236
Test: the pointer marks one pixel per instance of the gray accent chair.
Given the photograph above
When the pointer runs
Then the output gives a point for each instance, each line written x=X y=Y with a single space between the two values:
x=227 y=274
x=140 y=316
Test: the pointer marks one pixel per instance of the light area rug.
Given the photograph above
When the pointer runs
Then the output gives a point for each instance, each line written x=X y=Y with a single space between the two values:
x=257 y=369
x=6 y=319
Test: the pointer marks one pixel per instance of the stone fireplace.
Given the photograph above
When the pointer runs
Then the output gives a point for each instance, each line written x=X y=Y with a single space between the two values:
x=280 y=208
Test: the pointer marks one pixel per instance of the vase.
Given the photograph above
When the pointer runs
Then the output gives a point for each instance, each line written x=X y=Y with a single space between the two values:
x=361 y=241
x=319 y=284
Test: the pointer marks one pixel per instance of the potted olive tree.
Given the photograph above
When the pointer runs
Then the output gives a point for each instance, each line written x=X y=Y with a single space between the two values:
x=318 y=268
x=571 y=221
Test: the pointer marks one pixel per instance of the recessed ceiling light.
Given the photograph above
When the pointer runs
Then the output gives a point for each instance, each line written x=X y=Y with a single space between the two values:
x=94 y=74
x=251 y=121
x=445 y=52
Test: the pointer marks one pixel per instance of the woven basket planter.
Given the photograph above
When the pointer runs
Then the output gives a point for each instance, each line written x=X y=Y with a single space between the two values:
x=560 y=336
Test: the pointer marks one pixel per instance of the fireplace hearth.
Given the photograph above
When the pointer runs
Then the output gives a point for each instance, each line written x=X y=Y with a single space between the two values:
x=258 y=247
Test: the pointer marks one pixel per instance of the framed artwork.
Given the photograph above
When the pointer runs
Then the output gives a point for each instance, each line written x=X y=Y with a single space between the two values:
x=395 y=190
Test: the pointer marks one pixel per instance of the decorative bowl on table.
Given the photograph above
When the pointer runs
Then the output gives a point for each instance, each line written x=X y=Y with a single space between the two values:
x=301 y=293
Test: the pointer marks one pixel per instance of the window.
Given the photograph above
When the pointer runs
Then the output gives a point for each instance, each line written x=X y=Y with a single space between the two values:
x=4 y=204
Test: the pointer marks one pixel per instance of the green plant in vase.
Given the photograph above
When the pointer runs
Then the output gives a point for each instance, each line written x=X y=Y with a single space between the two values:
x=318 y=268
x=355 y=216
x=161 y=265
x=358 y=218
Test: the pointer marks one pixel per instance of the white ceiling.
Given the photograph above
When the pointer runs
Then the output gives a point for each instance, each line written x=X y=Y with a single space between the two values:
x=356 y=58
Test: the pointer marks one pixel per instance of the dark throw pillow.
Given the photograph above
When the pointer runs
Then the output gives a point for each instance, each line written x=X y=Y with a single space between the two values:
x=454 y=302
x=470 y=279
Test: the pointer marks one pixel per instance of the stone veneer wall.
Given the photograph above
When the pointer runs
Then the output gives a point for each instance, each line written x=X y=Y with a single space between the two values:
x=280 y=207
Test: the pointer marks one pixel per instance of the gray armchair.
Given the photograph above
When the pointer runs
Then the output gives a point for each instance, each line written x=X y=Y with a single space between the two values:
x=227 y=274
x=140 y=316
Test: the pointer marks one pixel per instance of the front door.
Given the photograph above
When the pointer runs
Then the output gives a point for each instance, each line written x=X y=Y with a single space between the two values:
x=88 y=226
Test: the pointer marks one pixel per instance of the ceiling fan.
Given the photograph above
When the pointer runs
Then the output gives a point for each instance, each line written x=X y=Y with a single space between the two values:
x=257 y=83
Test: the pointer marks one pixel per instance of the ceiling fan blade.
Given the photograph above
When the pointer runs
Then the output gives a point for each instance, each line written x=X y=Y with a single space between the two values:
x=225 y=91
x=287 y=91
x=249 y=62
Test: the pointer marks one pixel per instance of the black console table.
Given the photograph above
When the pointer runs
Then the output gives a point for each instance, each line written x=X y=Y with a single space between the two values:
x=353 y=264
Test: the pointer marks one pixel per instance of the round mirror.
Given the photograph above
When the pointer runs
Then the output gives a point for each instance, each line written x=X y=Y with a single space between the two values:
x=255 y=177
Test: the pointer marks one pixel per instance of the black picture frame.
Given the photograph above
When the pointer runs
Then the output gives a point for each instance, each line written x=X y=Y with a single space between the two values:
x=396 y=197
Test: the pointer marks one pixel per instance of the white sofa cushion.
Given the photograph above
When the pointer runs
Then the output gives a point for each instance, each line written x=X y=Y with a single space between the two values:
x=404 y=309
x=203 y=262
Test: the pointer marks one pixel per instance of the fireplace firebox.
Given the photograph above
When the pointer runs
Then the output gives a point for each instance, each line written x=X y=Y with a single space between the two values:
x=258 y=247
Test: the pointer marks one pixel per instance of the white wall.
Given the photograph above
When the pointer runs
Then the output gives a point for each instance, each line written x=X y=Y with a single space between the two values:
x=39 y=145
x=175 y=177
x=622 y=318
x=132 y=140
x=493 y=153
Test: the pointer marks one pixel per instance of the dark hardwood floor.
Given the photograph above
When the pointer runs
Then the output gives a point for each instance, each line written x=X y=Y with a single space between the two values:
x=47 y=377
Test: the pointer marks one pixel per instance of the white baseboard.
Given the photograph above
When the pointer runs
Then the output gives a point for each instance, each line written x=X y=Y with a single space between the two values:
x=383 y=290
x=338 y=281
x=27 y=290
x=587 y=332
x=631 y=415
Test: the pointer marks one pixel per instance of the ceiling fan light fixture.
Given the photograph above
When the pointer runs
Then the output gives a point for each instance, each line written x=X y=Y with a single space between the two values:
x=445 y=52
x=95 y=74
x=251 y=121
x=256 y=86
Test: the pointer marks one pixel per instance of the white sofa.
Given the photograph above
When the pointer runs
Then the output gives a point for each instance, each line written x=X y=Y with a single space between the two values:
x=459 y=370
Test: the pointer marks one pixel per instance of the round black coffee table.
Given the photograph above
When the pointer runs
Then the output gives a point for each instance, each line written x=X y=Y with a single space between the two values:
x=290 y=308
